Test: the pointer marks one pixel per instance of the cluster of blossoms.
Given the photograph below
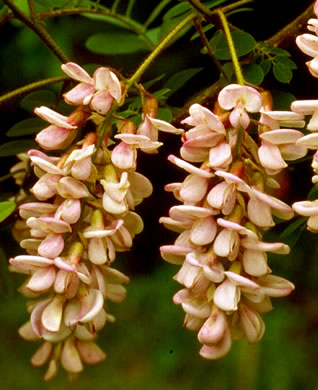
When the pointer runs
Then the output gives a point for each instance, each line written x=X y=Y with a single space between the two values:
x=80 y=214
x=308 y=43
x=225 y=209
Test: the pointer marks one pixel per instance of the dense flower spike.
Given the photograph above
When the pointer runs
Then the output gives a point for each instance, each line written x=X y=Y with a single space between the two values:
x=227 y=281
x=80 y=215
x=308 y=43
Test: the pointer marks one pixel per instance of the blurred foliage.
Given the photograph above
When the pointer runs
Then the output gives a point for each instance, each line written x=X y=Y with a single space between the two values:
x=147 y=346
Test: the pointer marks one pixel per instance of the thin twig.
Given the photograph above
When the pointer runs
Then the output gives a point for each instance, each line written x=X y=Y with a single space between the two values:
x=31 y=87
x=283 y=38
x=41 y=32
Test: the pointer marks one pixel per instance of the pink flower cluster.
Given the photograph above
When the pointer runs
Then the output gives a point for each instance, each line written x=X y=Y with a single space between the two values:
x=308 y=43
x=224 y=209
x=80 y=215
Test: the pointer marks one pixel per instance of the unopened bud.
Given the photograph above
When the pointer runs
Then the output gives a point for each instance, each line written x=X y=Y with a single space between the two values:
x=126 y=126
x=97 y=220
x=79 y=116
x=150 y=106
x=237 y=168
x=75 y=252
x=90 y=139
x=237 y=214
x=267 y=101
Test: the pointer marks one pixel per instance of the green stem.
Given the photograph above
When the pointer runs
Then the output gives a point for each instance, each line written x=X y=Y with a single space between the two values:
x=207 y=12
x=238 y=145
x=103 y=128
x=158 y=49
x=130 y=7
x=115 y=5
x=155 y=13
x=230 y=43
x=207 y=45
x=39 y=30
x=32 y=87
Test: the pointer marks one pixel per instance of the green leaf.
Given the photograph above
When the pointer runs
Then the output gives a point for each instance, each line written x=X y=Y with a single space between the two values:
x=177 y=10
x=278 y=51
x=292 y=227
x=282 y=100
x=204 y=29
x=15 y=147
x=27 y=126
x=178 y=80
x=154 y=35
x=6 y=208
x=162 y=94
x=285 y=61
x=44 y=97
x=253 y=73
x=229 y=71
x=150 y=83
x=169 y=24
x=282 y=73
x=126 y=23
x=116 y=42
x=243 y=41
x=313 y=194
x=165 y=114
x=266 y=66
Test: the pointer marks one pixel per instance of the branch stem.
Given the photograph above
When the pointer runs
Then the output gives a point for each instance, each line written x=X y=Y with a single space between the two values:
x=158 y=49
x=32 y=87
x=38 y=29
x=230 y=43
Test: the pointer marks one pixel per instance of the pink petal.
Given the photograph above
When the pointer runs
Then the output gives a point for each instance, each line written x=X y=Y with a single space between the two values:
x=308 y=44
x=42 y=280
x=53 y=117
x=91 y=304
x=71 y=188
x=189 y=167
x=123 y=156
x=79 y=94
x=76 y=72
x=281 y=136
x=226 y=296
x=219 y=350
x=101 y=102
x=89 y=352
x=220 y=155
x=164 y=126
x=203 y=231
x=214 y=328
x=70 y=358
x=51 y=246
x=52 y=314
x=53 y=137
x=270 y=156
x=252 y=324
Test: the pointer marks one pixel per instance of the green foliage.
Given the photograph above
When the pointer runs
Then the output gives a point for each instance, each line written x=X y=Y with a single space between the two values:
x=180 y=78
x=276 y=58
x=25 y=127
x=15 y=147
x=43 y=97
x=253 y=73
x=116 y=42
x=6 y=209
x=243 y=41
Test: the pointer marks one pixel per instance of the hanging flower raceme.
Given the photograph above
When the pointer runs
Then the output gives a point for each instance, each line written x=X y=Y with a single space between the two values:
x=223 y=258
x=308 y=43
x=80 y=213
